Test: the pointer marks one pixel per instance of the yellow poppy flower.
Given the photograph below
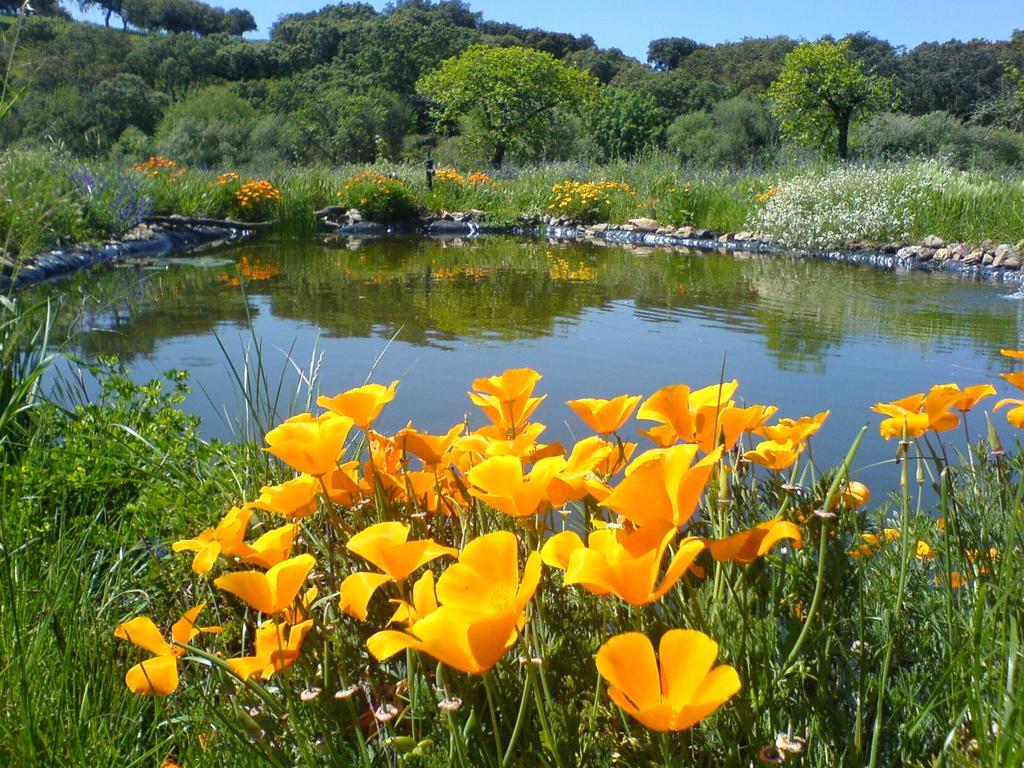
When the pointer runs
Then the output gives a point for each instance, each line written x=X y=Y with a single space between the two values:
x=310 y=444
x=270 y=592
x=662 y=485
x=1014 y=353
x=158 y=676
x=501 y=483
x=621 y=563
x=683 y=691
x=605 y=416
x=482 y=603
x=746 y=546
x=362 y=404
x=274 y=649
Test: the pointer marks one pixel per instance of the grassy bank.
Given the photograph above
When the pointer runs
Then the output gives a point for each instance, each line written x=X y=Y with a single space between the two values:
x=860 y=633
x=53 y=200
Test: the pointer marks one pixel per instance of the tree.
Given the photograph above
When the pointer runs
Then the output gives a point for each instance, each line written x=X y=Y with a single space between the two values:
x=624 y=123
x=508 y=93
x=667 y=53
x=821 y=90
x=110 y=8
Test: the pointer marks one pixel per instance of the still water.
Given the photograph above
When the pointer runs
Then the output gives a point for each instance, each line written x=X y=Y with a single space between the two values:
x=595 y=321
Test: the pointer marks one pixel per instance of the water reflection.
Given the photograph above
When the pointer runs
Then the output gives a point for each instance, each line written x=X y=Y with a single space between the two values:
x=597 y=321
x=506 y=289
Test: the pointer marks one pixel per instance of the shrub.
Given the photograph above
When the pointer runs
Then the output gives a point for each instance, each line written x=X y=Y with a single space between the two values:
x=899 y=137
x=624 y=123
x=736 y=132
x=38 y=209
x=379 y=197
x=111 y=204
x=210 y=128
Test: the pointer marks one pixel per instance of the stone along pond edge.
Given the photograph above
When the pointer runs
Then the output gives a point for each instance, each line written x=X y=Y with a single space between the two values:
x=178 y=235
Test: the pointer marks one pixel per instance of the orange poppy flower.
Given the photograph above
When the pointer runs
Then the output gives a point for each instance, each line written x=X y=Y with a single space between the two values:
x=226 y=538
x=277 y=647
x=852 y=495
x=971 y=396
x=362 y=404
x=482 y=606
x=310 y=444
x=293 y=498
x=386 y=546
x=746 y=546
x=873 y=542
x=796 y=430
x=773 y=455
x=685 y=689
x=605 y=416
x=270 y=592
x=507 y=399
x=1014 y=353
x=621 y=563
x=662 y=485
x=577 y=478
x=158 y=676
x=432 y=450
x=501 y=483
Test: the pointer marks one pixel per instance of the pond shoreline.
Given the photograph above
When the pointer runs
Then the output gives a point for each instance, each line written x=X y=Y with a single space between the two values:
x=177 y=235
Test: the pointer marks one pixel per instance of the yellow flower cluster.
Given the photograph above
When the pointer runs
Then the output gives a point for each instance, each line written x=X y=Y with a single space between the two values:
x=227 y=178
x=767 y=195
x=479 y=177
x=156 y=166
x=249 y=270
x=585 y=200
x=256 y=192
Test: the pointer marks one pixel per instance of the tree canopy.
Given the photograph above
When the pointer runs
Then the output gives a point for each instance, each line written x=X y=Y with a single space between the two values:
x=822 y=89
x=507 y=92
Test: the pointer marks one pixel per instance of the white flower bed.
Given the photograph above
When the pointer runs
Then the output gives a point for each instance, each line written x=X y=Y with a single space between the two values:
x=829 y=208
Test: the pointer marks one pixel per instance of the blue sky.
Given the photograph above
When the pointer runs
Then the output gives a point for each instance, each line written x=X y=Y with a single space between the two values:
x=631 y=25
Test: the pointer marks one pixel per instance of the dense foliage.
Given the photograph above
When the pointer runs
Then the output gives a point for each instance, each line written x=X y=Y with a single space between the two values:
x=339 y=85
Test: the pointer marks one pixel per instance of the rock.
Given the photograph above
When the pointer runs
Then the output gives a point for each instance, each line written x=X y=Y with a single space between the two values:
x=728 y=237
x=686 y=231
x=628 y=227
x=665 y=231
x=743 y=236
x=942 y=254
x=890 y=247
x=958 y=251
x=998 y=259
x=703 y=234
x=974 y=257
x=354 y=216
x=908 y=252
x=1012 y=262
x=987 y=259
x=932 y=241
x=644 y=224
x=925 y=254
x=1005 y=250
x=446 y=228
x=1020 y=246
x=447 y=216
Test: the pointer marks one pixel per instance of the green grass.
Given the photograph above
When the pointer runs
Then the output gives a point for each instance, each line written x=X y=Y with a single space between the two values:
x=875 y=661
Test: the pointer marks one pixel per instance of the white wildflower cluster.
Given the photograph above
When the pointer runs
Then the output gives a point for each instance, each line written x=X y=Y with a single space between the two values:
x=829 y=208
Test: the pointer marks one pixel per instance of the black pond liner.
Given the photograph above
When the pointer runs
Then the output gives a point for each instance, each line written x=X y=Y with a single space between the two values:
x=60 y=263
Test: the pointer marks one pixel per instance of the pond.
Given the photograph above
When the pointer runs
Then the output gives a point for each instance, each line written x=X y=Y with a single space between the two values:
x=596 y=321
